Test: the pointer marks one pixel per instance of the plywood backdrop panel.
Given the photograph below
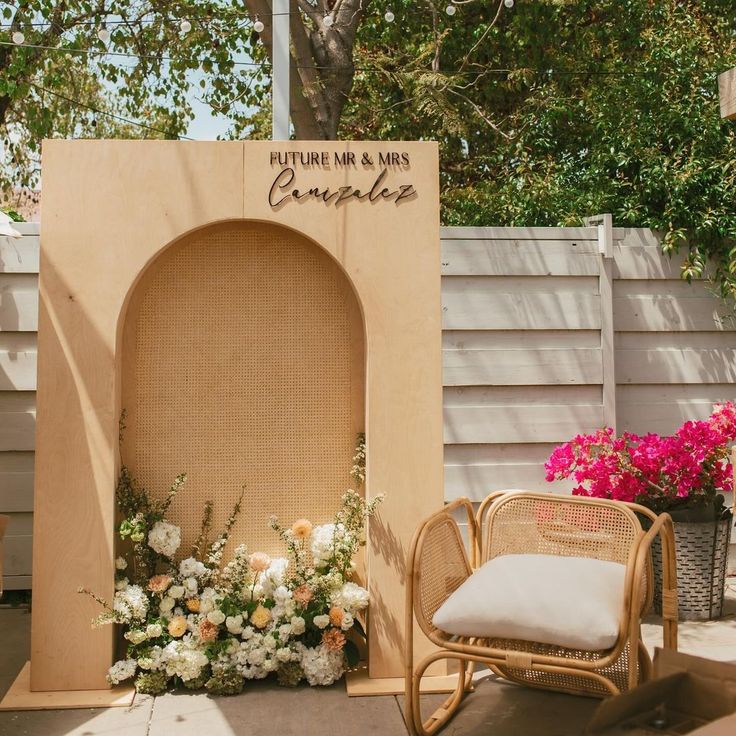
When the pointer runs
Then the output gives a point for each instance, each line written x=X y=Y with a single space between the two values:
x=249 y=340
x=111 y=209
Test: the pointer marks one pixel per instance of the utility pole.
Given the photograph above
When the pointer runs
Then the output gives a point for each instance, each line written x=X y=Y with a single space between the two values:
x=280 y=70
x=727 y=92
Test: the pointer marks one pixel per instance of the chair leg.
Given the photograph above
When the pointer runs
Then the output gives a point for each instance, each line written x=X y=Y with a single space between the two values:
x=442 y=715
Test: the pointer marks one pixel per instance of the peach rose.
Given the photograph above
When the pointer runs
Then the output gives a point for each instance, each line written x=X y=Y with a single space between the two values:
x=259 y=562
x=177 y=626
x=193 y=604
x=333 y=639
x=336 y=616
x=302 y=595
x=260 y=617
x=301 y=528
x=159 y=583
x=207 y=630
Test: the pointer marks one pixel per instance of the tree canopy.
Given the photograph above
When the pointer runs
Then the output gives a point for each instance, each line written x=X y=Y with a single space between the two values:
x=545 y=113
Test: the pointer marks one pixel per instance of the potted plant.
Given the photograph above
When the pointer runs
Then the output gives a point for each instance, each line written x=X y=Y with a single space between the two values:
x=686 y=475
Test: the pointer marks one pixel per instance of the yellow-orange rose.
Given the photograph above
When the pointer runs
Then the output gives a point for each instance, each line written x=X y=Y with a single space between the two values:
x=260 y=617
x=336 y=616
x=193 y=605
x=301 y=528
x=177 y=626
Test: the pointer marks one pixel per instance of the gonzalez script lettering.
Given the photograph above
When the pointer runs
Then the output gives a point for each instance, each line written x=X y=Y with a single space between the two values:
x=283 y=190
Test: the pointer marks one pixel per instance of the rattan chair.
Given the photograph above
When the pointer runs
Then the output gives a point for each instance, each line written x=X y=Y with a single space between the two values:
x=520 y=522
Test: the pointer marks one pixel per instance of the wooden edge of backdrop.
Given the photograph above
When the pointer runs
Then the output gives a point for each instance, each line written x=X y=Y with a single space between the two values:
x=21 y=697
x=359 y=685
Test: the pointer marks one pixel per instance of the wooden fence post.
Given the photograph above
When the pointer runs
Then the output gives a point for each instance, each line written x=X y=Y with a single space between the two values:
x=605 y=248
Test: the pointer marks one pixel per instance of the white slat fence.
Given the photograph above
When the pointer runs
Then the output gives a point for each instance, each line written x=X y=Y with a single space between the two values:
x=544 y=336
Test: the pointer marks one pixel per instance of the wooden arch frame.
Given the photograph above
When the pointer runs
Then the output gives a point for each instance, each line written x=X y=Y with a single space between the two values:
x=109 y=208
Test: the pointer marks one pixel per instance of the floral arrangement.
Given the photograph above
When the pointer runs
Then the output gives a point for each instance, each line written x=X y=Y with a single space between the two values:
x=197 y=623
x=686 y=470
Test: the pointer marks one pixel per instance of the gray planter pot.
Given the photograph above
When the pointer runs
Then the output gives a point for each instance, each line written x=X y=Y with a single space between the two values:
x=702 y=553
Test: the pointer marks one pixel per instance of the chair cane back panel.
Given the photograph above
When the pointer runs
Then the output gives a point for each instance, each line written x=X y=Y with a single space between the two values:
x=442 y=567
x=556 y=525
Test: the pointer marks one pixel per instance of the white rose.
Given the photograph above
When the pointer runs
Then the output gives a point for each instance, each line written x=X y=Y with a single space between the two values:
x=136 y=636
x=121 y=584
x=166 y=604
x=216 y=617
x=347 y=621
x=322 y=622
x=153 y=631
x=176 y=591
x=298 y=625
x=234 y=624
x=120 y=563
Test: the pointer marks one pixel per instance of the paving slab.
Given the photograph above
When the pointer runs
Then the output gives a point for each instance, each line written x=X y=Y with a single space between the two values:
x=496 y=707
x=264 y=707
x=504 y=709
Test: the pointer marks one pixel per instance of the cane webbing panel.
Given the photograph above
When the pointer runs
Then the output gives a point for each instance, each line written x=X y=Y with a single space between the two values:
x=617 y=672
x=243 y=364
x=529 y=525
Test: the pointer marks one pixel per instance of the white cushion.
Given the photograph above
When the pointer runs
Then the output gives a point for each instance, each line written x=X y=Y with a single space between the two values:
x=571 y=602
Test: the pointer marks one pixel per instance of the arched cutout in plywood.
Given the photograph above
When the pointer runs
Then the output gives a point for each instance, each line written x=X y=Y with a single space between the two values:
x=244 y=362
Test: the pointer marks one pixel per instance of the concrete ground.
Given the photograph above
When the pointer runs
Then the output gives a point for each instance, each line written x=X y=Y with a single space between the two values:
x=495 y=708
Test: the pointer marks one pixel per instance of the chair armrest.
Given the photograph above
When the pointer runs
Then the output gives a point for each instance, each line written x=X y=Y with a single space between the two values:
x=662 y=527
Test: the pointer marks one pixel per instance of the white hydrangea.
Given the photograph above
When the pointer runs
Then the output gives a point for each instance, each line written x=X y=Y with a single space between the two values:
x=321 y=665
x=273 y=577
x=131 y=603
x=124 y=669
x=183 y=658
x=351 y=597
x=283 y=654
x=284 y=604
x=323 y=541
x=190 y=585
x=153 y=661
x=191 y=568
x=164 y=538
x=254 y=660
x=209 y=600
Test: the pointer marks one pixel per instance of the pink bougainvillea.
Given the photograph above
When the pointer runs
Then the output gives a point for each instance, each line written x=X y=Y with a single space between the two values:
x=689 y=467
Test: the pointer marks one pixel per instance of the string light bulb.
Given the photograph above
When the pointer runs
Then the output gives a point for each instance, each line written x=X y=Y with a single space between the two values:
x=18 y=38
x=508 y=3
x=258 y=26
x=103 y=34
x=389 y=16
x=450 y=10
x=328 y=21
x=185 y=26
